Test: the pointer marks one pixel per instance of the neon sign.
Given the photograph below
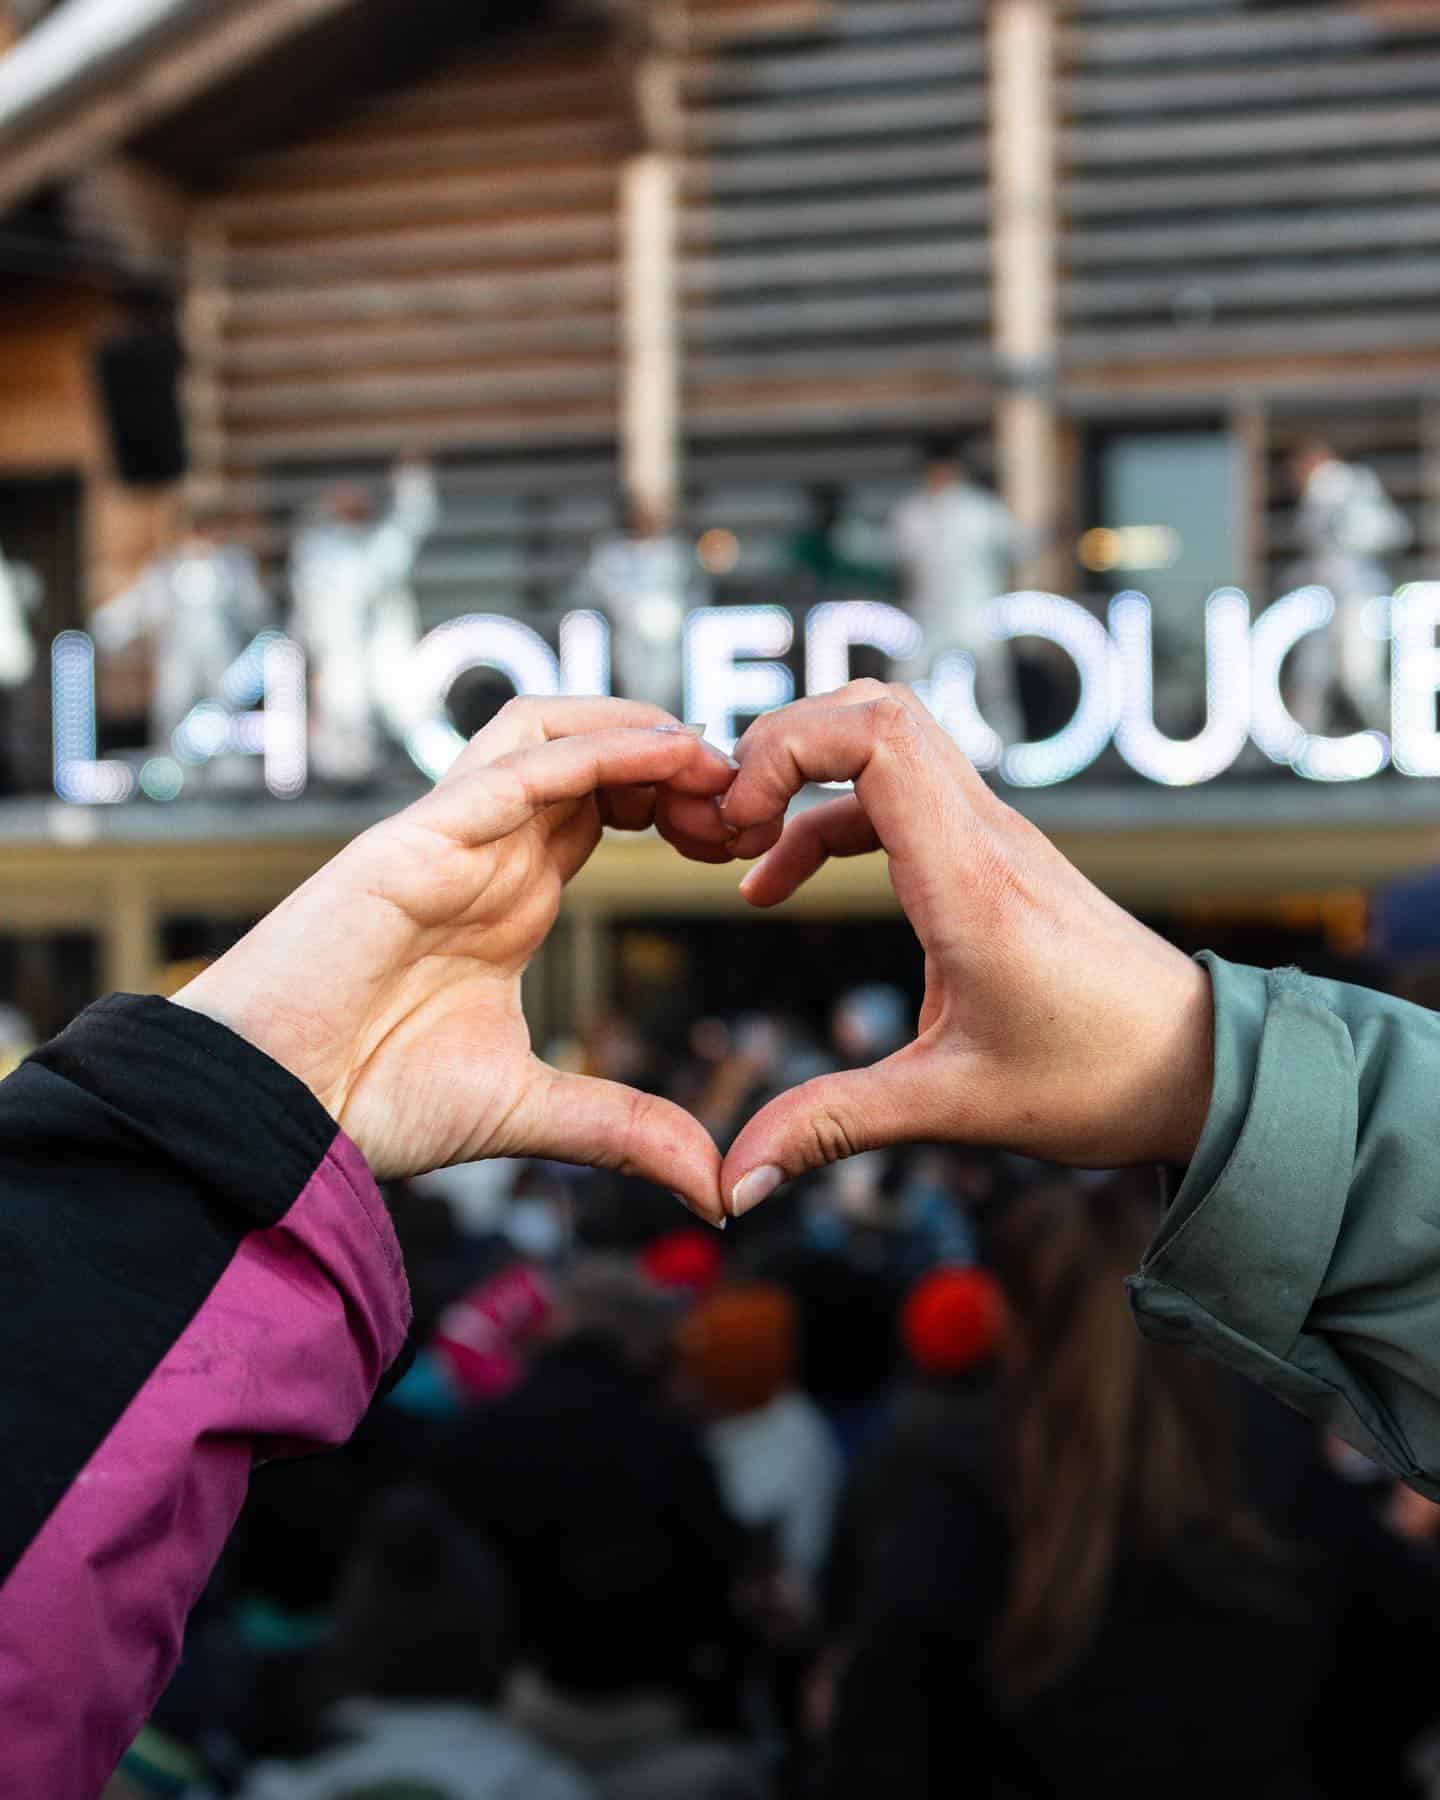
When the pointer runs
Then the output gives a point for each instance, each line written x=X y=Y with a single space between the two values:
x=733 y=671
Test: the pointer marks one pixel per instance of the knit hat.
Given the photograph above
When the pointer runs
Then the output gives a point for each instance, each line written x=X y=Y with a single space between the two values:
x=952 y=1320
x=687 y=1261
x=485 y=1334
x=737 y=1348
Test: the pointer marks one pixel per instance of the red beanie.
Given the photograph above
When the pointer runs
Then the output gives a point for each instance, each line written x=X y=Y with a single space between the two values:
x=685 y=1259
x=952 y=1320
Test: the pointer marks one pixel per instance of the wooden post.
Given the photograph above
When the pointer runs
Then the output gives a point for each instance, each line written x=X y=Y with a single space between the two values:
x=131 y=953
x=649 y=426
x=1024 y=252
x=650 y=376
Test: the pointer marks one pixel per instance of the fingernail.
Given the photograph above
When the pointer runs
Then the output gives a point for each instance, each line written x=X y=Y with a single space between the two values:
x=694 y=729
x=731 y=831
x=695 y=1212
x=689 y=730
x=751 y=1189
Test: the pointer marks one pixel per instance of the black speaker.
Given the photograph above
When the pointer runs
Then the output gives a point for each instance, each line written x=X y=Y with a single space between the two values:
x=137 y=373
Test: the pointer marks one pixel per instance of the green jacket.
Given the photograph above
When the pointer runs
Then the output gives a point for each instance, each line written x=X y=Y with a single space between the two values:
x=1302 y=1247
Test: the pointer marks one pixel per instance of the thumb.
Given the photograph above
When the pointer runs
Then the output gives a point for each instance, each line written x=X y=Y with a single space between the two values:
x=606 y=1125
x=822 y=1122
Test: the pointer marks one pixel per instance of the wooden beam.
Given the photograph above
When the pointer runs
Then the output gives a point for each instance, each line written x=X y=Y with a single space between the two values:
x=1024 y=247
x=650 y=405
x=220 y=46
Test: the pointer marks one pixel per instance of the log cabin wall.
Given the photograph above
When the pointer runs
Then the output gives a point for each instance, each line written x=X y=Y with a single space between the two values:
x=437 y=273
x=1250 y=206
x=834 y=269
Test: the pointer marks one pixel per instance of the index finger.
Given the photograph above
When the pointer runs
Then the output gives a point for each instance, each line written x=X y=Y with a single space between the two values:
x=908 y=773
x=539 y=719
x=491 y=799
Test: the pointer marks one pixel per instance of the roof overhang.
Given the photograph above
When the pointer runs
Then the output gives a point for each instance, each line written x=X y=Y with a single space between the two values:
x=95 y=73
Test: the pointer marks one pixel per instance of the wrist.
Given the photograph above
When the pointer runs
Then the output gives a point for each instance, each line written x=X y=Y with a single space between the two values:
x=1185 y=1076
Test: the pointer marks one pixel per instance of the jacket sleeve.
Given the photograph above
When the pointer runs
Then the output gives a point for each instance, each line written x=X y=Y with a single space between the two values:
x=1302 y=1247
x=196 y=1271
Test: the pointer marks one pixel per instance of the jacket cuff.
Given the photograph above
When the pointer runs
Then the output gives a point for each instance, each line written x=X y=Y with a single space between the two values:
x=185 y=1089
x=1244 y=1249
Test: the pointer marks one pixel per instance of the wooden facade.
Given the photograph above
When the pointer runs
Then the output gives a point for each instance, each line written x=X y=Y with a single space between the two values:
x=741 y=251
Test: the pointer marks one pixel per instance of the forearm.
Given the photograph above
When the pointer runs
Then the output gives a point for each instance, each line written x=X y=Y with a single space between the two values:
x=1303 y=1245
x=205 y=1274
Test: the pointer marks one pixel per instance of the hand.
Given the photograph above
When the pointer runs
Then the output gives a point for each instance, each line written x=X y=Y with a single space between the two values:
x=1054 y=1023
x=390 y=982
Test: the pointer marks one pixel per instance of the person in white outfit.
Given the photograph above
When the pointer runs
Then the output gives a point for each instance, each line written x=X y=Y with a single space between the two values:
x=199 y=605
x=19 y=593
x=645 y=579
x=1346 y=524
x=956 y=545
x=356 y=619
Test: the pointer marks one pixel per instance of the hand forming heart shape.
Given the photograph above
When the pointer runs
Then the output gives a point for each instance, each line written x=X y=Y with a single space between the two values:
x=390 y=981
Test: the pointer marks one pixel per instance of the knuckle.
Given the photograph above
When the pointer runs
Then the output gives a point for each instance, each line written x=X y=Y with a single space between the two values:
x=831 y=1138
x=866 y=687
x=892 y=721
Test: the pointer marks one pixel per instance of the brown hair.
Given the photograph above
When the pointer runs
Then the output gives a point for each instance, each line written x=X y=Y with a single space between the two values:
x=1110 y=1442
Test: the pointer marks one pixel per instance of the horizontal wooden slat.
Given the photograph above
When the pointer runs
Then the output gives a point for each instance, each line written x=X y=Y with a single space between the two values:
x=454 y=246
x=1328 y=284
x=454 y=297
x=941 y=356
x=937 y=210
x=793 y=123
x=828 y=66
x=1368 y=333
x=795 y=318
x=1247 y=135
x=1335 y=78
x=264 y=354
x=1265 y=235
x=824 y=406
x=898 y=261
x=350 y=394
x=525 y=190
x=1390 y=177
x=434 y=432
x=445 y=150
x=548 y=79
x=885 y=18
x=795 y=172
x=1248 y=35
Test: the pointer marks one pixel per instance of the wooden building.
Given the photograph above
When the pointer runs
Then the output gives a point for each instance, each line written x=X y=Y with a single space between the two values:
x=739 y=253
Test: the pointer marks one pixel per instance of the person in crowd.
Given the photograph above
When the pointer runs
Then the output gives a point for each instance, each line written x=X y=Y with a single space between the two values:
x=644 y=579
x=626 y=1624
x=939 y=1421
x=1104 y=1586
x=198 y=605
x=197 y=1270
x=1346 y=526
x=957 y=544
x=881 y=1211
x=417 y=1654
x=777 y=1462
x=356 y=618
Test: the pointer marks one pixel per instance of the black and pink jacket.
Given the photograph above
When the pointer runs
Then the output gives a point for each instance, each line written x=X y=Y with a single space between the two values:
x=196 y=1272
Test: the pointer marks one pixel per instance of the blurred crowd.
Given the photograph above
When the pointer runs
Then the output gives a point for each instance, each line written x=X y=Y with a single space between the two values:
x=877 y=1492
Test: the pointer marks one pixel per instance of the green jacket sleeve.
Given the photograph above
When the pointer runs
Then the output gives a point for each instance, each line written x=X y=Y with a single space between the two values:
x=1302 y=1247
